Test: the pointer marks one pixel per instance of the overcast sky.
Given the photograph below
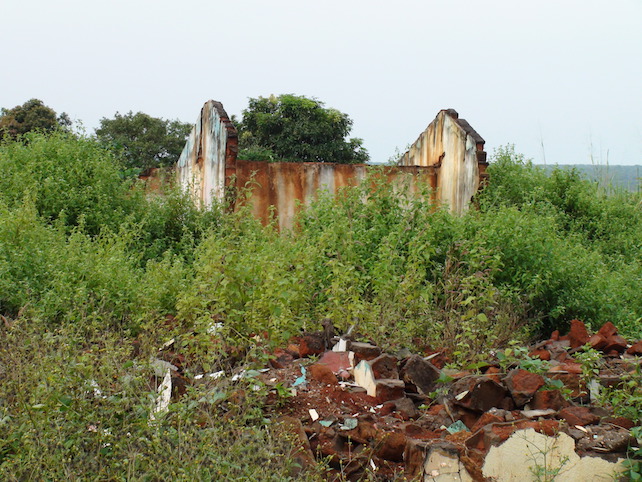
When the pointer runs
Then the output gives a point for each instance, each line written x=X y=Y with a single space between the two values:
x=561 y=80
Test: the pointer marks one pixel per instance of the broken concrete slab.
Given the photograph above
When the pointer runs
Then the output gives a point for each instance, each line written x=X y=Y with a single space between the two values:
x=420 y=374
x=443 y=465
x=527 y=455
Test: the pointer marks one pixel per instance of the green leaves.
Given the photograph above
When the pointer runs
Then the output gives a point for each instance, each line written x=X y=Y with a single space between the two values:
x=144 y=141
x=297 y=129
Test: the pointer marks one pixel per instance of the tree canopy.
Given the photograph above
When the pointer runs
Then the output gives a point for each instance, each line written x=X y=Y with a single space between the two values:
x=32 y=115
x=298 y=129
x=143 y=140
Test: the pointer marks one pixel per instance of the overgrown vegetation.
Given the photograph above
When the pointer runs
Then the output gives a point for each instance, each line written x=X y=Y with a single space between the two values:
x=91 y=266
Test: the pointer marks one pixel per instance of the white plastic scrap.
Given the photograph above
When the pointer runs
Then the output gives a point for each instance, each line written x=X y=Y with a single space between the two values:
x=214 y=375
x=164 y=396
x=314 y=415
x=342 y=345
x=161 y=366
x=214 y=328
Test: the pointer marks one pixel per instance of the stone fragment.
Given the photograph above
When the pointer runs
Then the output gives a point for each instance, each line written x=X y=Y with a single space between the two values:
x=443 y=464
x=322 y=373
x=414 y=457
x=486 y=419
x=493 y=373
x=364 y=377
x=615 y=343
x=337 y=361
x=364 y=351
x=548 y=399
x=478 y=393
x=364 y=433
x=541 y=353
x=392 y=446
x=389 y=389
x=635 y=349
x=522 y=385
x=620 y=422
x=608 y=330
x=578 y=335
x=311 y=344
x=419 y=374
x=578 y=416
x=384 y=366
x=302 y=454
x=281 y=359
x=597 y=341
x=404 y=406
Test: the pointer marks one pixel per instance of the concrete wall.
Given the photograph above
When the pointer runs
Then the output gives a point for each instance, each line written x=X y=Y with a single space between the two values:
x=211 y=146
x=456 y=151
x=288 y=185
x=448 y=157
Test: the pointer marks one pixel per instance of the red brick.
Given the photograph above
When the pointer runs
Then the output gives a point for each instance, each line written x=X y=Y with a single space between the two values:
x=522 y=385
x=281 y=358
x=389 y=389
x=322 y=374
x=482 y=393
x=392 y=446
x=635 y=349
x=578 y=416
x=597 y=341
x=311 y=345
x=548 y=399
x=419 y=373
x=336 y=360
x=608 y=330
x=541 y=353
x=578 y=335
x=615 y=343
x=384 y=366
x=485 y=419
x=493 y=374
x=555 y=336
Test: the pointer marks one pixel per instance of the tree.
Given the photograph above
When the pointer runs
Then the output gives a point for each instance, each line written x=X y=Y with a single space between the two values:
x=296 y=128
x=144 y=141
x=32 y=115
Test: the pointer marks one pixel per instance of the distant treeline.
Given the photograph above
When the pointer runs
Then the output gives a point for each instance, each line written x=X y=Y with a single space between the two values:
x=625 y=177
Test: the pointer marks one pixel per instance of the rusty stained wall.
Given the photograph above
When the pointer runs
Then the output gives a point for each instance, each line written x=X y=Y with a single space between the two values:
x=287 y=185
x=448 y=157
x=211 y=146
x=456 y=152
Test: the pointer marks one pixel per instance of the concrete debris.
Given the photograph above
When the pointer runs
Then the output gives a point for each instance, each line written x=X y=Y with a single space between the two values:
x=389 y=417
x=528 y=455
x=164 y=396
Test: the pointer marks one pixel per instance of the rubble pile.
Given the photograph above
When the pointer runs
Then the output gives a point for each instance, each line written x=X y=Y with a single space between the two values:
x=361 y=410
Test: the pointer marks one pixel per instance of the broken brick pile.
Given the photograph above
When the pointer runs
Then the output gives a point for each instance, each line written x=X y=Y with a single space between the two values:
x=364 y=410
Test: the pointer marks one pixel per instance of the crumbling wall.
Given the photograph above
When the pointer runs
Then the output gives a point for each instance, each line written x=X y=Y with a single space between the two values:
x=286 y=185
x=448 y=157
x=210 y=147
x=456 y=151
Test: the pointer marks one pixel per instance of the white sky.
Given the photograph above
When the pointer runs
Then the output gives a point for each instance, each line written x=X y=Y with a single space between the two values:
x=562 y=74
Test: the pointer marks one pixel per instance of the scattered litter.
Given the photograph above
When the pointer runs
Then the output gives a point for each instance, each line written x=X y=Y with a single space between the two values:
x=373 y=465
x=301 y=379
x=594 y=389
x=462 y=395
x=579 y=427
x=96 y=389
x=161 y=366
x=430 y=357
x=214 y=328
x=313 y=414
x=263 y=370
x=326 y=423
x=457 y=427
x=214 y=375
x=246 y=374
x=342 y=345
x=349 y=424
x=164 y=396
x=167 y=344
x=538 y=413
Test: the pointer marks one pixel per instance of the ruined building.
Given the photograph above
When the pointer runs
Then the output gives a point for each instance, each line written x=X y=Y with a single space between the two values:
x=448 y=156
